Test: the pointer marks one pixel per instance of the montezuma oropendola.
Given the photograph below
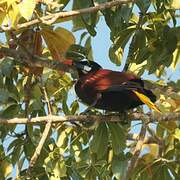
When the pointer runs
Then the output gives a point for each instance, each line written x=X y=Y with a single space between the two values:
x=109 y=90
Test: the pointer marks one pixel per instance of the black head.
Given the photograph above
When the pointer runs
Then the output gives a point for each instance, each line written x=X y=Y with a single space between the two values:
x=85 y=67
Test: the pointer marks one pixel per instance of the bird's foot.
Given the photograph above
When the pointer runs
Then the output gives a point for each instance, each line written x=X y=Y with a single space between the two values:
x=123 y=116
x=90 y=111
x=88 y=124
x=86 y=111
x=75 y=124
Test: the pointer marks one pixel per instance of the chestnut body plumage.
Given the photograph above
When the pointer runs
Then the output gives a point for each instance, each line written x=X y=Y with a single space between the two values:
x=109 y=90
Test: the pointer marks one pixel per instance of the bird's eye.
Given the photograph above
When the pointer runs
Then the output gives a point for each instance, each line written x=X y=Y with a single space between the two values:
x=87 y=68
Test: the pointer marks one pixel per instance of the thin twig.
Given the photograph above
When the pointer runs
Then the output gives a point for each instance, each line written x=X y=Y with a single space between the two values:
x=53 y=17
x=47 y=101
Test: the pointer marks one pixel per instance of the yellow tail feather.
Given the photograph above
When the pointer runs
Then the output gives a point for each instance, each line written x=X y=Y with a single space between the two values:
x=146 y=101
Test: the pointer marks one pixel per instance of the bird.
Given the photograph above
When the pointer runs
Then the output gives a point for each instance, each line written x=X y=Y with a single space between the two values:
x=110 y=90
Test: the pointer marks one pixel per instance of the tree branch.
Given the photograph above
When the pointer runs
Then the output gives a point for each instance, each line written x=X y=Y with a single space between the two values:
x=151 y=117
x=53 y=17
x=38 y=61
x=137 y=151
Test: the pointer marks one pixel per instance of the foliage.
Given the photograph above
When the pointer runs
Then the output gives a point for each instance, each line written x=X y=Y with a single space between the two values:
x=152 y=39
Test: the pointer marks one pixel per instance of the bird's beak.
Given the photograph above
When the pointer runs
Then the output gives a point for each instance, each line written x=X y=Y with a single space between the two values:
x=81 y=67
x=77 y=64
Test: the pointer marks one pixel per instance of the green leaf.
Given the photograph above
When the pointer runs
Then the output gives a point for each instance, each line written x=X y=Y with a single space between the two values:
x=142 y=55
x=16 y=142
x=11 y=111
x=5 y=168
x=55 y=167
x=119 y=167
x=58 y=41
x=7 y=67
x=36 y=92
x=162 y=173
x=176 y=31
x=88 y=20
x=62 y=140
x=126 y=12
x=59 y=169
x=4 y=95
x=159 y=57
x=140 y=39
x=89 y=48
x=124 y=36
x=177 y=134
x=34 y=134
x=91 y=173
x=75 y=174
x=2 y=16
x=84 y=155
x=117 y=137
x=99 y=143
x=109 y=15
x=35 y=105
x=91 y=27
x=65 y=2
x=5 y=130
x=83 y=35
x=65 y=108
x=143 y=5
x=14 y=94
x=173 y=171
x=29 y=148
x=170 y=39
x=26 y=8
x=116 y=55
x=74 y=107
x=173 y=16
x=15 y=155
x=160 y=129
x=175 y=4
